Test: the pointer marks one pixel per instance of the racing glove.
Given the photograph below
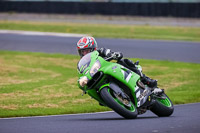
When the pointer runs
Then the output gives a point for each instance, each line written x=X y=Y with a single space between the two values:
x=108 y=53
x=117 y=55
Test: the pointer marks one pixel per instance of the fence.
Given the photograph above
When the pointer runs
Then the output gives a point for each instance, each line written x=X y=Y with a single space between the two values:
x=104 y=8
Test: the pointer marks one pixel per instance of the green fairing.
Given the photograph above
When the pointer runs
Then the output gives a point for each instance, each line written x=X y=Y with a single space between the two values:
x=109 y=69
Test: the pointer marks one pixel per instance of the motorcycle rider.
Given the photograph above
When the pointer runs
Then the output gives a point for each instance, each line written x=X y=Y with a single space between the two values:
x=88 y=44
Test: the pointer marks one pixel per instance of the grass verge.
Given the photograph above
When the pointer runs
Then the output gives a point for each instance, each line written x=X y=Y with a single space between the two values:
x=45 y=84
x=109 y=31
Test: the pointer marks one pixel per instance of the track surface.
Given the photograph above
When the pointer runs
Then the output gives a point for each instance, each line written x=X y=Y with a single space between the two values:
x=148 y=49
x=185 y=119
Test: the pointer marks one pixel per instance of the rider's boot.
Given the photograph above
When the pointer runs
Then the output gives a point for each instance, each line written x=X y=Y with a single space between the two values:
x=158 y=91
x=153 y=84
x=148 y=81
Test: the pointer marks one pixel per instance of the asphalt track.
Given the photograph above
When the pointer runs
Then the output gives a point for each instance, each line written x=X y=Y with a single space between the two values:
x=185 y=119
x=147 y=49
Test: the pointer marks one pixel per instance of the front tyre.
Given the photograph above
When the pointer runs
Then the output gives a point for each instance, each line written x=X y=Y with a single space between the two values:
x=128 y=112
x=163 y=106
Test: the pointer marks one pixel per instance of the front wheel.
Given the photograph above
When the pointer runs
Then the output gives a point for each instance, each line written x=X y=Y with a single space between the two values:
x=163 y=106
x=115 y=103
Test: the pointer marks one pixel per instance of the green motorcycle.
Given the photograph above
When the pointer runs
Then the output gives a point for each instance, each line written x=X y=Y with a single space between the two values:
x=119 y=88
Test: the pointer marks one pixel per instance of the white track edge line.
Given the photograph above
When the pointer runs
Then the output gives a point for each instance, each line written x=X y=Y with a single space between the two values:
x=42 y=33
x=78 y=114
x=57 y=115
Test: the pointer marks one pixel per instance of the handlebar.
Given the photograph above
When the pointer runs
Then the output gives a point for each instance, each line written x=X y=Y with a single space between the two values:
x=113 y=56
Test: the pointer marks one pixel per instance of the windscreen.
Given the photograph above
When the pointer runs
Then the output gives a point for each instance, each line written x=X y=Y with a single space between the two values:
x=84 y=62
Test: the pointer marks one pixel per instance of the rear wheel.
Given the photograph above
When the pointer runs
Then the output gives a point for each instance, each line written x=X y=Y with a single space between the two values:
x=163 y=106
x=122 y=106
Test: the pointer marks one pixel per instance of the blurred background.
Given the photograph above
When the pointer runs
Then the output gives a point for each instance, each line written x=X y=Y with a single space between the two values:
x=169 y=8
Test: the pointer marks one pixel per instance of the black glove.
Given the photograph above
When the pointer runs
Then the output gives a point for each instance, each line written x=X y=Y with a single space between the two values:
x=117 y=55
x=105 y=52
x=108 y=53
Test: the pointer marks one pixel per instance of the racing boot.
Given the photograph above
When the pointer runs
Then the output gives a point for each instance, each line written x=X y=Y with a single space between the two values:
x=158 y=91
x=149 y=82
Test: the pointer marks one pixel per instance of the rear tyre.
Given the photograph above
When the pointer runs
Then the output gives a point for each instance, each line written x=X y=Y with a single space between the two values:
x=112 y=102
x=163 y=107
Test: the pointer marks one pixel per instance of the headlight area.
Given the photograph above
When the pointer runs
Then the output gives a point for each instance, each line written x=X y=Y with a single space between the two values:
x=83 y=81
x=95 y=68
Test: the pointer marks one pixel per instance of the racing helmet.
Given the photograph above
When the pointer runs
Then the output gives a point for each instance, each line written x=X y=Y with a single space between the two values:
x=86 y=45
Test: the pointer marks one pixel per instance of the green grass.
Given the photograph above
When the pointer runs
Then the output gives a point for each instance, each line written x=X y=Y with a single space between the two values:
x=109 y=31
x=46 y=84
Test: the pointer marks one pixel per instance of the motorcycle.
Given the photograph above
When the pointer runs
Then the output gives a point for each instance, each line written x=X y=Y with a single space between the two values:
x=119 y=88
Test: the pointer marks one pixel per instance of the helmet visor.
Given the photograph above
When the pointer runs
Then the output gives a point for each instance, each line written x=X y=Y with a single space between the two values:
x=85 y=51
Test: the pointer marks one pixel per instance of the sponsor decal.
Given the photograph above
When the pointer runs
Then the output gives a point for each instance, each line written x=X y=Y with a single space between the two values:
x=114 y=67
